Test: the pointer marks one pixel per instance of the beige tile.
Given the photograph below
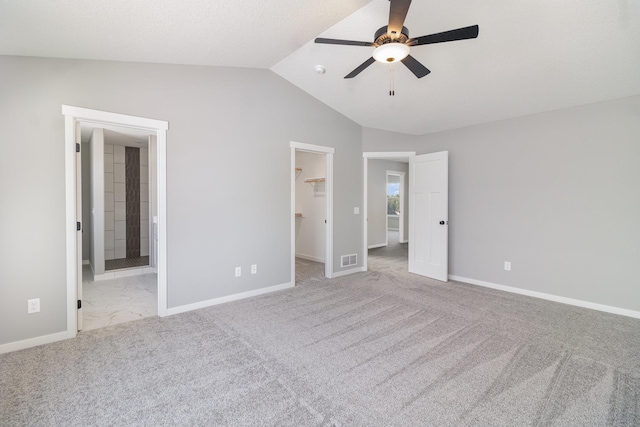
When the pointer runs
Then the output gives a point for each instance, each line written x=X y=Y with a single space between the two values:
x=109 y=221
x=108 y=162
x=108 y=148
x=121 y=230
x=118 y=154
x=144 y=193
x=109 y=254
x=119 y=192
x=118 y=173
x=144 y=174
x=109 y=240
x=144 y=157
x=144 y=210
x=108 y=182
x=108 y=202
x=120 y=211
x=144 y=228
x=121 y=249
x=144 y=246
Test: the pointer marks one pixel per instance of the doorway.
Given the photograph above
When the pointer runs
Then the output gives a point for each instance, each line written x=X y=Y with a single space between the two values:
x=395 y=204
x=427 y=194
x=74 y=118
x=119 y=281
x=386 y=210
x=311 y=207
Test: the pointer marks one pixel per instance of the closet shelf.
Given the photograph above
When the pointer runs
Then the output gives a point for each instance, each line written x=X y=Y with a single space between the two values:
x=298 y=214
x=298 y=169
x=314 y=180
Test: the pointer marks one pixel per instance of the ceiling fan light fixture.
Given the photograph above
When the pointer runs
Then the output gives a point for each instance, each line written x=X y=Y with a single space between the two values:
x=389 y=53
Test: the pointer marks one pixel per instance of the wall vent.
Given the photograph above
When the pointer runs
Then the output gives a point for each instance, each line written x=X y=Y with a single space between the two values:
x=349 y=260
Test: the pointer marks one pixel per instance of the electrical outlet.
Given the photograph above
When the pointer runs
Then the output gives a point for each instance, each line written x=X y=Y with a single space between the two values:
x=238 y=271
x=356 y=211
x=254 y=269
x=33 y=306
x=507 y=266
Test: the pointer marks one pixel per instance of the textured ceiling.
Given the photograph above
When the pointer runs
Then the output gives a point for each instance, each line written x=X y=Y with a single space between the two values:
x=531 y=55
x=249 y=33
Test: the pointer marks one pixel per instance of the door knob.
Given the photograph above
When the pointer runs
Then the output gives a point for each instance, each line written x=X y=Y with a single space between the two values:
x=441 y=222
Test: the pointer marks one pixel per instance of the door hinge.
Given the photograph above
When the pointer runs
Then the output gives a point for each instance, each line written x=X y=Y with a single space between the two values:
x=77 y=147
x=78 y=226
x=79 y=304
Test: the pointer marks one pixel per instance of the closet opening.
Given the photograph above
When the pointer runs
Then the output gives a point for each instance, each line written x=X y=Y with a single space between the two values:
x=311 y=212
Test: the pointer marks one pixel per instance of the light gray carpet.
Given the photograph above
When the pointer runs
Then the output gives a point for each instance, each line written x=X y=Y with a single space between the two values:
x=381 y=348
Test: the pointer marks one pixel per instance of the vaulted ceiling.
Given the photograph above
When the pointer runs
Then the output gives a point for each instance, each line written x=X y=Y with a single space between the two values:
x=530 y=56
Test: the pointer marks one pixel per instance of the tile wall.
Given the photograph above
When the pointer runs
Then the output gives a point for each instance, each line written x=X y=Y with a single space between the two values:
x=144 y=202
x=109 y=212
x=120 y=202
x=115 y=230
x=132 y=188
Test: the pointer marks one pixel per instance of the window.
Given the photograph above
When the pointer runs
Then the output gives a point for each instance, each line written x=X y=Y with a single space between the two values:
x=393 y=198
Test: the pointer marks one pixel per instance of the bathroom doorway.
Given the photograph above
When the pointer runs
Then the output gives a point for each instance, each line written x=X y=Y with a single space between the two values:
x=119 y=281
x=74 y=118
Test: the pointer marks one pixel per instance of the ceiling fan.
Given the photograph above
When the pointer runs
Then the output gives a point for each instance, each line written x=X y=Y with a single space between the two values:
x=392 y=42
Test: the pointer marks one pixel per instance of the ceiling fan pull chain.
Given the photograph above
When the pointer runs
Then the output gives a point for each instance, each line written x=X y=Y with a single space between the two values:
x=392 y=91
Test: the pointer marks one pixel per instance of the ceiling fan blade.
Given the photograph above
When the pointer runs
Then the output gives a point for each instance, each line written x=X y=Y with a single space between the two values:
x=343 y=42
x=397 y=13
x=446 y=36
x=358 y=70
x=415 y=66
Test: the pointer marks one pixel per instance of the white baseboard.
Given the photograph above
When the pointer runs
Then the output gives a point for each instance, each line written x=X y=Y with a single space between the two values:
x=33 y=342
x=105 y=276
x=550 y=297
x=86 y=262
x=310 y=258
x=228 y=298
x=376 y=245
x=347 y=272
x=116 y=274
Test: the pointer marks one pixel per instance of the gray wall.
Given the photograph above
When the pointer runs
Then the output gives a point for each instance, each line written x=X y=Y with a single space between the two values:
x=557 y=194
x=228 y=161
x=377 y=199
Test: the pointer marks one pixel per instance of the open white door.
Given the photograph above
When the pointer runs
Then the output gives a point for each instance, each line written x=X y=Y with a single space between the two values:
x=80 y=223
x=428 y=215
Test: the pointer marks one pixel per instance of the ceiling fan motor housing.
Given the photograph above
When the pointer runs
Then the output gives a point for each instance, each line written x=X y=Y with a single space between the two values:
x=382 y=37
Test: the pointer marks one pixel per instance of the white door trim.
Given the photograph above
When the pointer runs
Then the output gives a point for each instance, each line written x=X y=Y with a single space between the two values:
x=72 y=116
x=374 y=155
x=328 y=247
